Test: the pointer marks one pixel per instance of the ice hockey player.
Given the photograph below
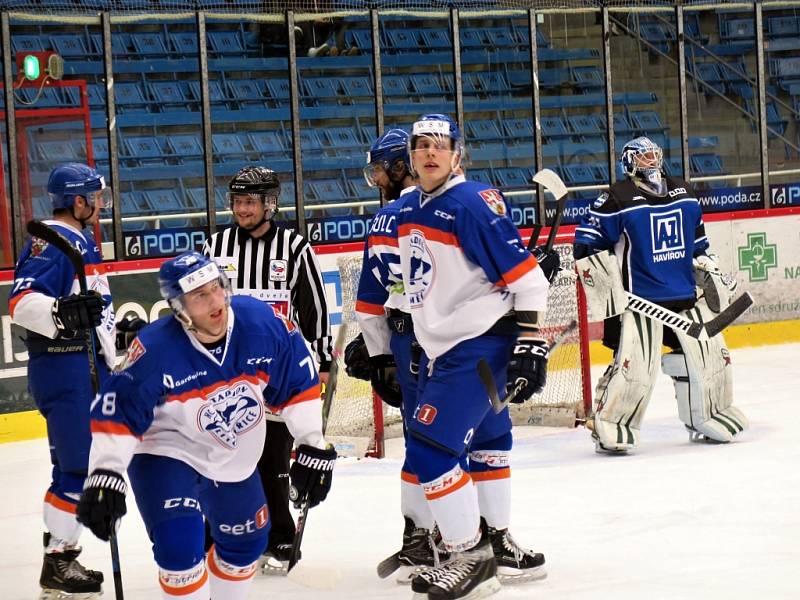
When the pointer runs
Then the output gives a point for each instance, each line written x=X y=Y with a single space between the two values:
x=45 y=300
x=387 y=352
x=647 y=231
x=185 y=417
x=271 y=262
x=474 y=292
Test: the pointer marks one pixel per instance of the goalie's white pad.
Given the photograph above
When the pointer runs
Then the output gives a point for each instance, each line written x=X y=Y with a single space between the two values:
x=704 y=383
x=602 y=282
x=715 y=286
x=624 y=392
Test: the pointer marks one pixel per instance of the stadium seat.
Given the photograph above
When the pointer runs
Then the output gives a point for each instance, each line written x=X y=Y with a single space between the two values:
x=673 y=166
x=553 y=127
x=309 y=140
x=196 y=198
x=135 y=203
x=402 y=39
x=783 y=26
x=278 y=89
x=518 y=128
x=471 y=39
x=128 y=98
x=69 y=45
x=586 y=125
x=185 y=146
x=359 y=38
x=183 y=42
x=97 y=95
x=357 y=87
x=710 y=74
x=436 y=39
x=621 y=125
x=27 y=43
x=149 y=44
x=500 y=37
x=247 y=92
x=164 y=201
x=56 y=151
x=320 y=87
x=228 y=146
x=647 y=121
x=482 y=175
x=120 y=44
x=216 y=95
x=580 y=175
x=587 y=77
x=512 y=177
x=267 y=143
x=145 y=149
x=169 y=95
x=362 y=191
x=426 y=84
x=395 y=88
x=225 y=42
x=340 y=138
x=706 y=164
x=484 y=129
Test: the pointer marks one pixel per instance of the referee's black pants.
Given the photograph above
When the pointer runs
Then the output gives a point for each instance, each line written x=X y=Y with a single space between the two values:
x=274 y=470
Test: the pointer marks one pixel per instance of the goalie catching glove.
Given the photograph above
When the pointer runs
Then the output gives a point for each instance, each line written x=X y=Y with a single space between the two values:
x=311 y=474
x=102 y=503
x=527 y=369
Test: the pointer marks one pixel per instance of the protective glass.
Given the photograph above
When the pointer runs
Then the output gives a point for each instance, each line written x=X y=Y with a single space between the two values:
x=101 y=199
x=372 y=171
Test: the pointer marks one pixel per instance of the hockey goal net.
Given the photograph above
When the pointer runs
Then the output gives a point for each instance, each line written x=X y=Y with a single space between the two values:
x=358 y=422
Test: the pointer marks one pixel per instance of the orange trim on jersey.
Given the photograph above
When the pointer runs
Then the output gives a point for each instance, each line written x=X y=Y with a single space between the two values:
x=382 y=240
x=214 y=568
x=431 y=234
x=260 y=377
x=526 y=266
x=187 y=589
x=59 y=503
x=465 y=479
x=111 y=428
x=504 y=473
x=369 y=308
x=409 y=477
x=312 y=393
x=12 y=304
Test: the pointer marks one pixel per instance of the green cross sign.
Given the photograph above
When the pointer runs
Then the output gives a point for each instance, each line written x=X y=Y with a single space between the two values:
x=758 y=256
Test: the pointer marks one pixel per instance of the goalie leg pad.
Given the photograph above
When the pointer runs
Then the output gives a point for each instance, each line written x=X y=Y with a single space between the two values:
x=703 y=379
x=624 y=392
x=602 y=282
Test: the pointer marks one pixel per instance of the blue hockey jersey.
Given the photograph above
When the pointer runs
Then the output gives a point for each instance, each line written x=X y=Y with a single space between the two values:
x=44 y=273
x=175 y=398
x=654 y=237
x=463 y=262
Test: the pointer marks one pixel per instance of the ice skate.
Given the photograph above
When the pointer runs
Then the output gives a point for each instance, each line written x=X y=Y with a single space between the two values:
x=419 y=552
x=63 y=577
x=275 y=561
x=514 y=564
x=467 y=575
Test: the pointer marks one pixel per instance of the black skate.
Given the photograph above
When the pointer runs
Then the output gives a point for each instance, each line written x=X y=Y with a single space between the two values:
x=467 y=575
x=63 y=577
x=419 y=552
x=514 y=564
x=72 y=554
x=275 y=561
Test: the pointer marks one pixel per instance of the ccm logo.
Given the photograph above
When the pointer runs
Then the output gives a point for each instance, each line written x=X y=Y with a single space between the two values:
x=426 y=414
x=185 y=502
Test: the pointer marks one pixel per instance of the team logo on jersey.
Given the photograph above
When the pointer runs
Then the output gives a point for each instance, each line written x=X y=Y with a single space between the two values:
x=38 y=246
x=666 y=232
x=281 y=310
x=494 y=200
x=277 y=270
x=586 y=276
x=135 y=351
x=422 y=268
x=600 y=200
x=426 y=414
x=230 y=411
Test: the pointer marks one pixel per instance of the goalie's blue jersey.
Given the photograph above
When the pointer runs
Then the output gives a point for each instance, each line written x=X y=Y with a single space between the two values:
x=654 y=237
x=464 y=265
x=174 y=397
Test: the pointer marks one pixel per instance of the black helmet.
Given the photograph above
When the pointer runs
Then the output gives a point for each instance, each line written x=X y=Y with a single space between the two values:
x=259 y=182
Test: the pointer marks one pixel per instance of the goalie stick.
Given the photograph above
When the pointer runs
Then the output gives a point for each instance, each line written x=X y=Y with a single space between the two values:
x=60 y=243
x=487 y=379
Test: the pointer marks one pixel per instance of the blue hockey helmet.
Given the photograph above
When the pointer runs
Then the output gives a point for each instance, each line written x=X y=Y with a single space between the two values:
x=390 y=152
x=69 y=180
x=443 y=131
x=185 y=273
x=643 y=156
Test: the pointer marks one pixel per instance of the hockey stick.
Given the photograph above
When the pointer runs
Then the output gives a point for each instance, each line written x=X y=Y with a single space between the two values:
x=298 y=533
x=732 y=312
x=59 y=242
x=550 y=180
x=333 y=374
x=487 y=379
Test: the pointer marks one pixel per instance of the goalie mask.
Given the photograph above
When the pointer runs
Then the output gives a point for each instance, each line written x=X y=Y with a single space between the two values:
x=186 y=273
x=643 y=159
x=443 y=132
x=389 y=154
x=256 y=188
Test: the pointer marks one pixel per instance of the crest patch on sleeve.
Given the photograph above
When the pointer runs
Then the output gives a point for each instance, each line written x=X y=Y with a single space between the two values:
x=494 y=200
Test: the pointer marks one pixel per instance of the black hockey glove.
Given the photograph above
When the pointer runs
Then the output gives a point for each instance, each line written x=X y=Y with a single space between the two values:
x=383 y=376
x=356 y=358
x=311 y=474
x=127 y=330
x=79 y=311
x=102 y=503
x=416 y=356
x=550 y=262
x=527 y=369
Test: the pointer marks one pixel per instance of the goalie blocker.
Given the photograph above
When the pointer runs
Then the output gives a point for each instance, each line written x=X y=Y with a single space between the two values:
x=700 y=368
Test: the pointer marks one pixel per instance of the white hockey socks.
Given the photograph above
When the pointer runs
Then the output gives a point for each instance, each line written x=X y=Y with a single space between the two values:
x=413 y=503
x=60 y=521
x=191 y=584
x=229 y=581
x=454 y=503
x=492 y=476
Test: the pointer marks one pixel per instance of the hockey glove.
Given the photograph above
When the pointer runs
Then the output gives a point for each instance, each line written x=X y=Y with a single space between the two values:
x=79 y=311
x=102 y=503
x=416 y=356
x=383 y=376
x=527 y=369
x=356 y=358
x=718 y=287
x=550 y=262
x=311 y=474
x=127 y=330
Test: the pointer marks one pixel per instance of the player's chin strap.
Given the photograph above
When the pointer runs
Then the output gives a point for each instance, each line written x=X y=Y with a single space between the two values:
x=85 y=219
x=452 y=180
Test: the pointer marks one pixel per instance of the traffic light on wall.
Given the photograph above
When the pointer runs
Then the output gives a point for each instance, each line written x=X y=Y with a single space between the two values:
x=33 y=67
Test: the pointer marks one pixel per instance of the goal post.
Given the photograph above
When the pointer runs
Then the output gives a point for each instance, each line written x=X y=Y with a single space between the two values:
x=359 y=422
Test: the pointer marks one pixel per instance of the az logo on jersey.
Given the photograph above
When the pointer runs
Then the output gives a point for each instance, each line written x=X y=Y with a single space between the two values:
x=422 y=268
x=230 y=412
x=494 y=201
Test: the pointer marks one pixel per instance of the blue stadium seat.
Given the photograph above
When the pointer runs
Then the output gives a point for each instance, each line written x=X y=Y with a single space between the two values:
x=267 y=143
x=523 y=35
x=706 y=164
x=402 y=39
x=228 y=146
x=426 y=84
x=69 y=45
x=518 y=128
x=500 y=37
x=580 y=175
x=145 y=149
x=359 y=38
x=216 y=94
x=164 y=201
x=135 y=203
x=710 y=73
x=783 y=26
x=120 y=44
x=482 y=175
x=128 y=97
x=97 y=95
x=185 y=146
x=321 y=87
x=362 y=191
x=471 y=39
x=553 y=127
x=248 y=92
x=673 y=166
x=357 y=87
x=183 y=42
x=56 y=151
x=586 y=125
x=196 y=198
x=484 y=129
x=309 y=140
x=340 y=138
x=621 y=125
x=436 y=39
x=512 y=177
x=149 y=44
x=100 y=148
x=647 y=121
x=587 y=77
x=42 y=208
x=27 y=43
x=395 y=88
x=278 y=89
x=737 y=29
x=225 y=42
x=169 y=95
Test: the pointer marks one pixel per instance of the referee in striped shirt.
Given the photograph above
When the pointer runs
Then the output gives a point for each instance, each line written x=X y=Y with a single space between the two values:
x=274 y=264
